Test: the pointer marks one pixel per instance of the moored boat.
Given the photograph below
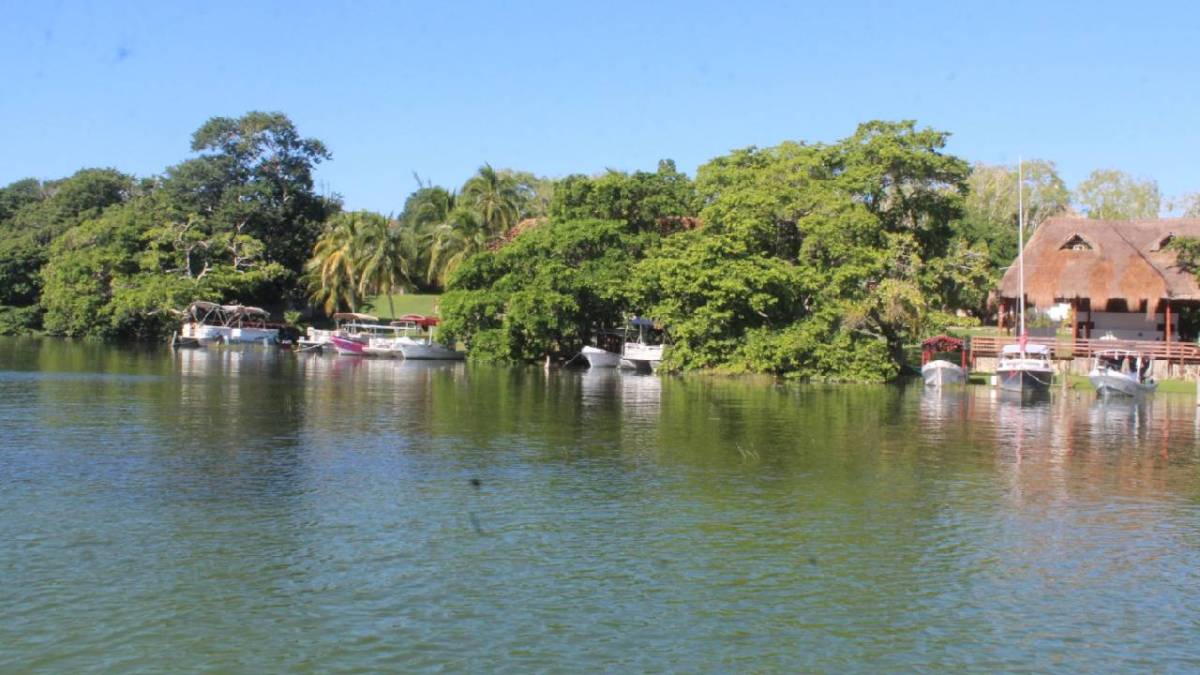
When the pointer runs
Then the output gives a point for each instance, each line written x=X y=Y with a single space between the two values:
x=646 y=352
x=207 y=323
x=316 y=339
x=939 y=372
x=1025 y=368
x=1122 y=372
x=601 y=358
x=416 y=339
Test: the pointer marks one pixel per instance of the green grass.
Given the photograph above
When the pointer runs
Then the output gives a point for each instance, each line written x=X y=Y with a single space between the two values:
x=405 y=303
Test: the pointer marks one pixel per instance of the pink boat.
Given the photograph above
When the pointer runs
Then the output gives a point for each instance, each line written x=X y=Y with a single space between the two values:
x=349 y=346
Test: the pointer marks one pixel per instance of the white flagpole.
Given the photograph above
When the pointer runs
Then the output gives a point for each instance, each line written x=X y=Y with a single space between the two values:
x=1021 y=248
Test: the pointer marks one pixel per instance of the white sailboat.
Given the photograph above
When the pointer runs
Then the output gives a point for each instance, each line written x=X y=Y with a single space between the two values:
x=1023 y=367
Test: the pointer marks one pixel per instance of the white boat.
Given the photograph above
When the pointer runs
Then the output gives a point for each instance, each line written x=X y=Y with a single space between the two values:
x=1122 y=372
x=1025 y=368
x=208 y=323
x=645 y=353
x=601 y=358
x=938 y=372
x=368 y=339
x=416 y=339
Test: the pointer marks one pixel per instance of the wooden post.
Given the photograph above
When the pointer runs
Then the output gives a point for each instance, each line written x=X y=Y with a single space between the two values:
x=1088 y=328
x=1000 y=319
x=1167 y=336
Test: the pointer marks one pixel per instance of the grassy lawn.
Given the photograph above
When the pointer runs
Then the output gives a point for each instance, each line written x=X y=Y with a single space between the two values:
x=405 y=303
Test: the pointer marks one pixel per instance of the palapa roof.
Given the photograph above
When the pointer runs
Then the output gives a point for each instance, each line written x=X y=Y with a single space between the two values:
x=1104 y=260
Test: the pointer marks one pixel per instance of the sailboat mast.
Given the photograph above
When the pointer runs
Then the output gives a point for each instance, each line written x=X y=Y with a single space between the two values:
x=1021 y=248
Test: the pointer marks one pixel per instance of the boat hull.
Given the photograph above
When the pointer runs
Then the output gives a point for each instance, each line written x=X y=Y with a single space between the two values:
x=430 y=352
x=1109 y=383
x=348 y=347
x=1024 y=379
x=601 y=358
x=940 y=373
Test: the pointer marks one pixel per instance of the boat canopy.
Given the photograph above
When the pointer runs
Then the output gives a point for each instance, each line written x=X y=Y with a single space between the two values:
x=354 y=316
x=1041 y=350
x=942 y=343
x=418 y=319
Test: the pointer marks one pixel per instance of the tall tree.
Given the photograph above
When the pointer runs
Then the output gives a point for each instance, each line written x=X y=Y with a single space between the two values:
x=990 y=208
x=254 y=177
x=380 y=254
x=332 y=272
x=1115 y=195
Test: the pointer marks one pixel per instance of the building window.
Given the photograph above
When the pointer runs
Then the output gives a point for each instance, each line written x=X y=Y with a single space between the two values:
x=1076 y=243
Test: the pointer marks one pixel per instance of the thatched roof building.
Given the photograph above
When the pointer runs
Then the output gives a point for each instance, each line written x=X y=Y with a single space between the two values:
x=1074 y=259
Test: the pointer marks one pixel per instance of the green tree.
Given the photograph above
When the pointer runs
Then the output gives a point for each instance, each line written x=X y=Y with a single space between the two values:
x=1115 y=195
x=332 y=273
x=380 y=253
x=254 y=178
x=659 y=200
x=544 y=293
x=824 y=245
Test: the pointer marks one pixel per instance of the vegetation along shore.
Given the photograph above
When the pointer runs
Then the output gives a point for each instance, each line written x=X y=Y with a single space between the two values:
x=821 y=261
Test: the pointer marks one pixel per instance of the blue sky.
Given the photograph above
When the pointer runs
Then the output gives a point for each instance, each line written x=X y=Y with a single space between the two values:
x=561 y=87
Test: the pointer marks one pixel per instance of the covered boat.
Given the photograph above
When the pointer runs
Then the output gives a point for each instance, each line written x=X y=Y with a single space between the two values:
x=416 y=339
x=316 y=339
x=646 y=352
x=937 y=371
x=606 y=352
x=207 y=323
x=1025 y=368
x=1122 y=372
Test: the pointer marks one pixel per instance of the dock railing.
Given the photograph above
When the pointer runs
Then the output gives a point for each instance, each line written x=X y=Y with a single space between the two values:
x=1172 y=352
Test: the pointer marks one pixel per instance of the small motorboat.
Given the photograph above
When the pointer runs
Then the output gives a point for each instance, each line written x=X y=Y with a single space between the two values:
x=601 y=358
x=416 y=339
x=1122 y=372
x=938 y=372
x=1025 y=368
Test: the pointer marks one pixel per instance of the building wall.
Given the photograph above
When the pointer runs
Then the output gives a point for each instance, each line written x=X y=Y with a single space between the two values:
x=1130 y=325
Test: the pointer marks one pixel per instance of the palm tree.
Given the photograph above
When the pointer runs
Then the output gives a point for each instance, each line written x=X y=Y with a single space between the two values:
x=495 y=198
x=332 y=270
x=463 y=234
x=380 y=257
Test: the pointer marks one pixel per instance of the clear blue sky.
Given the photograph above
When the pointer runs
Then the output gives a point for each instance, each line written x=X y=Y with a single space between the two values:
x=561 y=87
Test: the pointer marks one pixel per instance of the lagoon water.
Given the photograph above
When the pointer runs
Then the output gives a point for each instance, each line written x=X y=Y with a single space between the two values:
x=251 y=511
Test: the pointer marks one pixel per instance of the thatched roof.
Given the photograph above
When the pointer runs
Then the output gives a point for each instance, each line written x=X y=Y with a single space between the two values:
x=1102 y=260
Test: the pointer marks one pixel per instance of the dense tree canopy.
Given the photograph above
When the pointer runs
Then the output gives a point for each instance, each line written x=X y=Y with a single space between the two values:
x=1112 y=194
x=820 y=261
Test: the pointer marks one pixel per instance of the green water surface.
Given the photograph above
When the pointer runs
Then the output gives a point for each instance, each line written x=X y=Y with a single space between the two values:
x=254 y=511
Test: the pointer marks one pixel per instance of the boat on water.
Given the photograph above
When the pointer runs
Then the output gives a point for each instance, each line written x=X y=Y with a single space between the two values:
x=416 y=340
x=1025 y=368
x=206 y=323
x=645 y=353
x=1122 y=372
x=606 y=352
x=601 y=358
x=410 y=337
x=320 y=340
x=939 y=371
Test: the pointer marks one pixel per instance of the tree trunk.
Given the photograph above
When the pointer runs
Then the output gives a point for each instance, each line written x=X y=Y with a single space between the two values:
x=391 y=305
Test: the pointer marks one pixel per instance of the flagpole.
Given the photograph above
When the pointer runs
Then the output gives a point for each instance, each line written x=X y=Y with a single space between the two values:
x=1021 y=249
